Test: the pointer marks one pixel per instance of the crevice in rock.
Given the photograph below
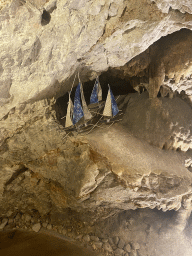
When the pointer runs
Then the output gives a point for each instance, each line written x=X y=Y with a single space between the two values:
x=21 y=170
x=45 y=18
x=165 y=146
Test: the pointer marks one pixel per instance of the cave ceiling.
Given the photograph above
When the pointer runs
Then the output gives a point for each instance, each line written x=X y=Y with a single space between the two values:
x=40 y=53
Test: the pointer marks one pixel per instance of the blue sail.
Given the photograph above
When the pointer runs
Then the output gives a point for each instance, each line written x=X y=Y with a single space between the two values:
x=114 y=107
x=94 y=94
x=77 y=109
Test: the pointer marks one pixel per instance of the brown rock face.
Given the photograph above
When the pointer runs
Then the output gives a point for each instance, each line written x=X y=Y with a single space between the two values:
x=46 y=42
x=141 y=160
x=51 y=171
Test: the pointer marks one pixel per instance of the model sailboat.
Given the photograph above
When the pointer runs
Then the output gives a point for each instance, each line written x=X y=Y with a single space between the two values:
x=79 y=110
x=110 y=109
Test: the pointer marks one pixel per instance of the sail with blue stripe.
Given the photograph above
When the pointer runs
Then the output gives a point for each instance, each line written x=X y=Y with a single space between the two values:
x=110 y=109
x=94 y=94
x=77 y=110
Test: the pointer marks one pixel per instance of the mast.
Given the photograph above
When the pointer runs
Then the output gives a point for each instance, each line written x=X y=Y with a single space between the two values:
x=108 y=108
x=68 y=121
x=77 y=111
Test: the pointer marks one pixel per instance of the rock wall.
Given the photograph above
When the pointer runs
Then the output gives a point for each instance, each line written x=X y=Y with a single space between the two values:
x=39 y=61
x=142 y=161
x=45 y=169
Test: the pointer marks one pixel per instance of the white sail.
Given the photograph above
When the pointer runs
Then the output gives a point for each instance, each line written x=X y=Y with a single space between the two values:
x=99 y=91
x=68 y=121
x=108 y=108
x=87 y=114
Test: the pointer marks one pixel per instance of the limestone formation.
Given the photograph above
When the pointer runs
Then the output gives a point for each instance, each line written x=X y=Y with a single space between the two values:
x=39 y=61
x=87 y=171
x=142 y=160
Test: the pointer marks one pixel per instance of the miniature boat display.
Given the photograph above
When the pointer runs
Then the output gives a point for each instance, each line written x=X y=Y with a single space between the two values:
x=79 y=114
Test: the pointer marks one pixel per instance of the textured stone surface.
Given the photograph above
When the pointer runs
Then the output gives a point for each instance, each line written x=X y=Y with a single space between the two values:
x=135 y=246
x=107 y=247
x=84 y=172
x=119 y=252
x=94 y=238
x=37 y=61
x=86 y=238
x=133 y=253
x=164 y=66
x=3 y=223
x=36 y=227
x=116 y=240
x=136 y=163
x=143 y=167
x=127 y=248
x=49 y=226
x=121 y=243
x=149 y=122
x=165 y=5
x=97 y=245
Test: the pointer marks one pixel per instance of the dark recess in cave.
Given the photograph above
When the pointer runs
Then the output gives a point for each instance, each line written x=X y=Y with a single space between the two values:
x=46 y=17
x=134 y=74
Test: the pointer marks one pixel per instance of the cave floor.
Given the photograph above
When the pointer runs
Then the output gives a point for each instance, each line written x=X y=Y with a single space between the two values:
x=154 y=231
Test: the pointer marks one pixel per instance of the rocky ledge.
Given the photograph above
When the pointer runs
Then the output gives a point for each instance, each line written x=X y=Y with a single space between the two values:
x=103 y=170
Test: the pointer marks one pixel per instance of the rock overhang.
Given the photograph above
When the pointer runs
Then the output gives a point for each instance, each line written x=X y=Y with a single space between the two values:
x=67 y=42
